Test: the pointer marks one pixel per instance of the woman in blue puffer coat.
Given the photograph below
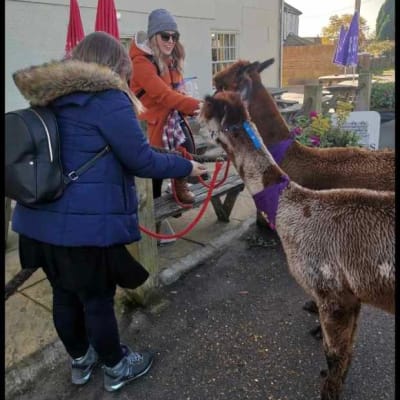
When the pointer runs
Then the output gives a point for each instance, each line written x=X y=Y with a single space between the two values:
x=79 y=239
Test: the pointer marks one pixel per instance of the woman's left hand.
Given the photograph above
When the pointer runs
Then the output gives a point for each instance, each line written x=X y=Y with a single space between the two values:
x=198 y=110
x=198 y=169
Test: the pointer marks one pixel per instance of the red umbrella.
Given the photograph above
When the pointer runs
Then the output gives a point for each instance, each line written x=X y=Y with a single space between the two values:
x=75 y=28
x=106 y=18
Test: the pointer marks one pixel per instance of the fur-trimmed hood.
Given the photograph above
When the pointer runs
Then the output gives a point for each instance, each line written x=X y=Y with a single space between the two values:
x=139 y=45
x=44 y=83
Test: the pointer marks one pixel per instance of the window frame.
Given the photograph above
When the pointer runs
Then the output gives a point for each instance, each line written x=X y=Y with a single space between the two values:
x=223 y=55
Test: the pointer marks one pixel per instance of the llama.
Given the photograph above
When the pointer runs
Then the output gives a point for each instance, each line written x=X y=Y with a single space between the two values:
x=339 y=243
x=313 y=168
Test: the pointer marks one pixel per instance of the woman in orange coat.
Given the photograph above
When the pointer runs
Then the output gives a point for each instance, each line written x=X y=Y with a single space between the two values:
x=157 y=60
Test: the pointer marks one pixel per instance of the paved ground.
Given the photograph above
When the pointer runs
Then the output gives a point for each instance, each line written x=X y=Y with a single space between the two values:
x=233 y=329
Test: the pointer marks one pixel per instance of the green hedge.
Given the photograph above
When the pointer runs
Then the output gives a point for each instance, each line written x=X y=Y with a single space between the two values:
x=382 y=96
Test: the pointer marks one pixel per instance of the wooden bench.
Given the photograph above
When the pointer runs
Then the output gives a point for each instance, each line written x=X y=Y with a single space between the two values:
x=337 y=93
x=329 y=80
x=166 y=206
x=286 y=103
x=345 y=91
x=291 y=112
x=276 y=92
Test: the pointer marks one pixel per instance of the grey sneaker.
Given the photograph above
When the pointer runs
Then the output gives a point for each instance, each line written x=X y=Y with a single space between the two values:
x=131 y=367
x=83 y=367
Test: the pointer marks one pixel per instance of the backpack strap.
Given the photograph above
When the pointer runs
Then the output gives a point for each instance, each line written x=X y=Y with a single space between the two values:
x=74 y=175
x=141 y=92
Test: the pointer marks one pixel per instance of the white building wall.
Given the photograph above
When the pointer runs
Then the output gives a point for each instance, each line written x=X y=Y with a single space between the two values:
x=35 y=32
x=259 y=28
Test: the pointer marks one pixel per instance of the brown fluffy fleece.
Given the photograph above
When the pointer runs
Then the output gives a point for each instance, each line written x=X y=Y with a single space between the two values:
x=314 y=168
x=339 y=243
x=44 y=83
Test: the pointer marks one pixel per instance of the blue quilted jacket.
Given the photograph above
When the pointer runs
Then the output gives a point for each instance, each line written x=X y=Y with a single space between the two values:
x=100 y=208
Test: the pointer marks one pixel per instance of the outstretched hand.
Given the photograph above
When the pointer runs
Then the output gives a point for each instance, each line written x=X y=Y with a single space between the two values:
x=198 y=110
x=198 y=169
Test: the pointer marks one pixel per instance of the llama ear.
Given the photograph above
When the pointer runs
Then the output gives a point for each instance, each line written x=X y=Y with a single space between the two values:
x=245 y=89
x=265 y=64
x=250 y=67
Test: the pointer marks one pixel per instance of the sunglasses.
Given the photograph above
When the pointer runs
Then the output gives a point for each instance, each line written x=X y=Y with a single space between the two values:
x=165 y=36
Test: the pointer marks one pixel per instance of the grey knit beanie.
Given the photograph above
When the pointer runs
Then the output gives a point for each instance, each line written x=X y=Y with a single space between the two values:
x=160 y=20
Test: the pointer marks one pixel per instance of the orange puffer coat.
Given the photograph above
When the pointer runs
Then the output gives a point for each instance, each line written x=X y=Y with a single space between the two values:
x=159 y=97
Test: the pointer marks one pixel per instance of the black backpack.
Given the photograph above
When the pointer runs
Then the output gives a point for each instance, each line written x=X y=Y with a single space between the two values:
x=33 y=169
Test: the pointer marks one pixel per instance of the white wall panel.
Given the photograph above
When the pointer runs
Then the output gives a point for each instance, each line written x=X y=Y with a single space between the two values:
x=35 y=32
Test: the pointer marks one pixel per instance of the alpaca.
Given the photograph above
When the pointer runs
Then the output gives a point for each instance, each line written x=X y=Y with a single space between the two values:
x=339 y=243
x=313 y=168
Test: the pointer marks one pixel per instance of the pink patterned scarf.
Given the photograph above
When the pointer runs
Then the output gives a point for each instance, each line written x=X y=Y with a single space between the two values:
x=173 y=135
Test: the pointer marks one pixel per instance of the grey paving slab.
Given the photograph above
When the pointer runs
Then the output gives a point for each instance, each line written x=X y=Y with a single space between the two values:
x=28 y=328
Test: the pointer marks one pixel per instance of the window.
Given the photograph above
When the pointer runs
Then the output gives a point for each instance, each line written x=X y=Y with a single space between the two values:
x=223 y=50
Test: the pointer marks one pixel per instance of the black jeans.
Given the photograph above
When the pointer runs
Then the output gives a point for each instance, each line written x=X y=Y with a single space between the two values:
x=82 y=319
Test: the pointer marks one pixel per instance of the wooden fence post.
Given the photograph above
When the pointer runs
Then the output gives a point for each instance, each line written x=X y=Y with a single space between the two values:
x=312 y=98
x=145 y=251
x=364 y=91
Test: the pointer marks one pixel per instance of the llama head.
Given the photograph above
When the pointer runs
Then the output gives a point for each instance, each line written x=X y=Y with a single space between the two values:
x=223 y=111
x=241 y=76
x=228 y=121
x=226 y=117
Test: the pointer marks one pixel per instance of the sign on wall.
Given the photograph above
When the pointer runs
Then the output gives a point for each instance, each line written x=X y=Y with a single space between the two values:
x=365 y=124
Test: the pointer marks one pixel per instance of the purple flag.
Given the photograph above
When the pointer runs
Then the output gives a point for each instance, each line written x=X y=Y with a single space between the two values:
x=352 y=34
x=339 y=57
x=347 y=53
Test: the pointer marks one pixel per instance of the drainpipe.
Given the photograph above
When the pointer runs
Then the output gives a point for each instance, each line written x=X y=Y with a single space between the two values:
x=281 y=7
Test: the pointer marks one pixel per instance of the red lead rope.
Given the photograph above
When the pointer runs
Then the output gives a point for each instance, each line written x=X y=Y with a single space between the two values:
x=187 y=155
x=221 y=181
x=218 y=166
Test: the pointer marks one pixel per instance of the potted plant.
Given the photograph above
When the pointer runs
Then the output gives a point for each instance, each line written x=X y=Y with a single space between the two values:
x=318 y=130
